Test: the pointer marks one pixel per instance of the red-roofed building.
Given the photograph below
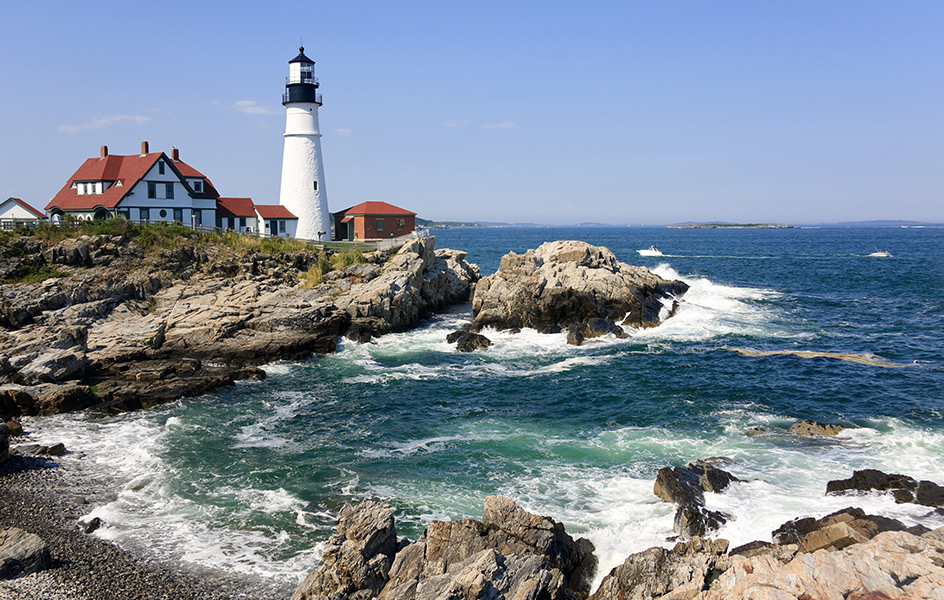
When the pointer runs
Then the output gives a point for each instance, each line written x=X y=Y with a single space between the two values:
x=149 y=186
x=277 y=220
x=16 y=213
x=373 y=221
x=236 y=213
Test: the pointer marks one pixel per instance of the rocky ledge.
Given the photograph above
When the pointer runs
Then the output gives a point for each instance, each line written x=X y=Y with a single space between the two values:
x=119 y=328
x=512 y=554
x=572 y=286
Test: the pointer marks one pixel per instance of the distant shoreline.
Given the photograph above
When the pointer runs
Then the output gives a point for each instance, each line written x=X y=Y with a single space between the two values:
x=730 y=226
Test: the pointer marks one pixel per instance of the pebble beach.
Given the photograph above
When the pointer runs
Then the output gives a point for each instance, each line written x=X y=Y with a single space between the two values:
x=45 y=497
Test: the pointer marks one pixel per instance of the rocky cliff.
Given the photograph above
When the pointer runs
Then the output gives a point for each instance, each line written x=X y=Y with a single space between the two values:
x=120 y=328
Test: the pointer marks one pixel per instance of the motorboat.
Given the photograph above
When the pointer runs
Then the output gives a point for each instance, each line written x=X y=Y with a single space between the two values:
x=651 y=251
x=881 y=253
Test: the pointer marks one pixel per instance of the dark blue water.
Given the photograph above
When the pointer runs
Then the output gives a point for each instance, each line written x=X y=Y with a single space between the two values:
x=248 y=480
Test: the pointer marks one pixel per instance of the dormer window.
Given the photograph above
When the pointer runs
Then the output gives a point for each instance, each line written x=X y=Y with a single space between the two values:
x=198 y=186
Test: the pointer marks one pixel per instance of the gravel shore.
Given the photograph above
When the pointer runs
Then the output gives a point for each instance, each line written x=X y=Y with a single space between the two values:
x=42 y=497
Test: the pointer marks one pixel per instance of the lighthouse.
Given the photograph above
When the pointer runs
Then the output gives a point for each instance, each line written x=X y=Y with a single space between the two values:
x=303 y=190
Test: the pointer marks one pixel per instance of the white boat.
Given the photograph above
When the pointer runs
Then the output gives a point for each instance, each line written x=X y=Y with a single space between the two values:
x=651 y=251
x=881 y=253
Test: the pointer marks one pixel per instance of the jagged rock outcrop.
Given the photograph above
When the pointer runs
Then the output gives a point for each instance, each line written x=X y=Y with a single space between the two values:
x=568 y=283
x=847 y=554
x=680 y=572
x=356 y=560
x=686 y=488
x=905 y=489
x=466 y=341
x=22 y=553
x=126 y=330
x=810 y=428
x=509 y=554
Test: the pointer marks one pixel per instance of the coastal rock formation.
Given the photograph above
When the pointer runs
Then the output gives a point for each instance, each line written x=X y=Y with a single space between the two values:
x=122 y=329
x=682 y=571
x=567 y=283
x=509 y=554
x=466 y=341
x=905 y=489
x=686 y=488
x=847 y=554
x=4 y=442
x=810 y=428
x=22 y=553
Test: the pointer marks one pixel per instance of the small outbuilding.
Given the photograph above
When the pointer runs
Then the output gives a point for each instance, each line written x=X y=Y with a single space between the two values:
x=16 y=213
x=373 y=221
x=237 y=213
x=277 y=220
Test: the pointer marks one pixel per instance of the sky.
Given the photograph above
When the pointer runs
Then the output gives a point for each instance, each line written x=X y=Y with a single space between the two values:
x=617 y=112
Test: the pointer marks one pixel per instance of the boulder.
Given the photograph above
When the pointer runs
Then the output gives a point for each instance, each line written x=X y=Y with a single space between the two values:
x=567 y=282
x=466 y=341
x=578 y=332
x=356 y=560
x=681 y=572
x=905 y=489
x=4 y=442
x=686 y=488
x=22 y=553
x=810 y=428
x=837 y=530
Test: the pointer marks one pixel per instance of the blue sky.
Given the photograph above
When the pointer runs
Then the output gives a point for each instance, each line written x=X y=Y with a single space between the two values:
x=641 y=113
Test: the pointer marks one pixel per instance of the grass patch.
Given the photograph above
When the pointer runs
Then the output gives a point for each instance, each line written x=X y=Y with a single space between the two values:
x=35 y=274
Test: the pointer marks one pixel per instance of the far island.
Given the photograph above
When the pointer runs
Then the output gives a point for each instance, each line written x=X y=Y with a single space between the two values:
x=729 y=226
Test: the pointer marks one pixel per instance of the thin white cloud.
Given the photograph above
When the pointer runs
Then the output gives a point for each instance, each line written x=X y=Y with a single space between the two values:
x=455 y=123
x=104 y=121
x=342 y=132
x=251 y=108
x=499 y=125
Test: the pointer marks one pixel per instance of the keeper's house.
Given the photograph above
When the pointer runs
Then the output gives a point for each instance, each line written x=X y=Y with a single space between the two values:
x=373 y=221
x=16 y=213
x=149 y=186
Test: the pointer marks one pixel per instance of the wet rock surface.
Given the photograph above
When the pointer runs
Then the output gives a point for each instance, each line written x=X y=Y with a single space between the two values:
x=810 y=428
x=686 y=487
x=905 y=489
x=122 y=330
x=568 y=283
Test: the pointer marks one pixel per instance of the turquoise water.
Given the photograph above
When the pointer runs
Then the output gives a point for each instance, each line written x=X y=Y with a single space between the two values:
x=247 y=481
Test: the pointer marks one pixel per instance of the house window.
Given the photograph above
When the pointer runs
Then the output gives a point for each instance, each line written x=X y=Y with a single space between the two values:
x=380 y=224
x=125 y=213
x=160 y=167
x=281 y=226
x=400 y=224
x=152 y=189
x=242 y=223
x=169 y=190
x=198 y=217
x=198 y=186
x=163 y=213
x=178 y=214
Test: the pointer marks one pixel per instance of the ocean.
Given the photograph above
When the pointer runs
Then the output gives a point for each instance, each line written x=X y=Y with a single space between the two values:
x=247 y=481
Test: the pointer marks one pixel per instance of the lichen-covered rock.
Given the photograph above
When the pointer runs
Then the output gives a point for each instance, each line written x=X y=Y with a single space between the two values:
x=810 y=428
x=567 y=282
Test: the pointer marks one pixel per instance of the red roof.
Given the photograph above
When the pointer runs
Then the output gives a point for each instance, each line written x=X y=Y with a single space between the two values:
x=376 y=208
x=274 y=211
x=26 y=206
x=118 y=168
x=235 y=207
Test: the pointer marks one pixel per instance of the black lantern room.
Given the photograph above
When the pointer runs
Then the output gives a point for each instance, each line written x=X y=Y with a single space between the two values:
x=301 y=85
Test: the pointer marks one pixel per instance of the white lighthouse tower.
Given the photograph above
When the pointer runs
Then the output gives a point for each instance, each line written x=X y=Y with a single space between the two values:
x=303 y=190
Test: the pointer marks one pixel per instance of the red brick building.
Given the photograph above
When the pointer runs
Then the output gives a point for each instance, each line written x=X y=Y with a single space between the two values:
x=373 y=221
